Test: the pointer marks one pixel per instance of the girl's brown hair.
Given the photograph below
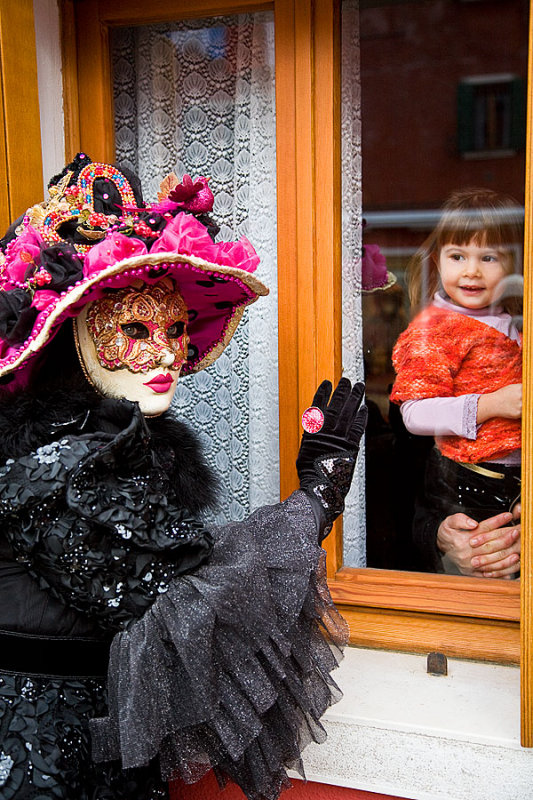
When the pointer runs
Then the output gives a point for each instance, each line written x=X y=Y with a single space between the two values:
x=480 y=215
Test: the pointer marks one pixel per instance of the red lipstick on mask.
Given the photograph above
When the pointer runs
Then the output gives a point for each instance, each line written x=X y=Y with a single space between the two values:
x=160 y=384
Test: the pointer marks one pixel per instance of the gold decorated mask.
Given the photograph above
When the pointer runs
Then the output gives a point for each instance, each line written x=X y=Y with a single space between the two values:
x=140 y=329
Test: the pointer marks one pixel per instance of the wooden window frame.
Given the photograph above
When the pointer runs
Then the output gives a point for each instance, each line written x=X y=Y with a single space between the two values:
x=416 y=612
x=21 y=180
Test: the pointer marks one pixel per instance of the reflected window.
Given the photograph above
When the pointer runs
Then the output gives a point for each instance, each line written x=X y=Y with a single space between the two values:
x=491 y=116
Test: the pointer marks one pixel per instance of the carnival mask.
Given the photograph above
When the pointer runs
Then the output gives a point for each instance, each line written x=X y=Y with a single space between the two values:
x=133 y=342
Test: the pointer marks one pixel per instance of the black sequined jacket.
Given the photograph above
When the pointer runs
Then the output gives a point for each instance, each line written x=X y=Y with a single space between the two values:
x=96 y=512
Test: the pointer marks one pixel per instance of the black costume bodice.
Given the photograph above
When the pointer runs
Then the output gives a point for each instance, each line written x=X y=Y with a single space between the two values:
x=92 y=525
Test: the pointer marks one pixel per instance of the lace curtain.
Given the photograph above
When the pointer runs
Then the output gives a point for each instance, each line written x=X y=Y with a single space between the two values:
x=354 y=526
x=197 y=97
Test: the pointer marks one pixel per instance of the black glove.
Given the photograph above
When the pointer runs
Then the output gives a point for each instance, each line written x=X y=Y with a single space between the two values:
x=326 y=460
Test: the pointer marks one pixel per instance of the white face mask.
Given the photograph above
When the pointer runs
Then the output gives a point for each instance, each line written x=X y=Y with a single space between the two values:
x=133 y=342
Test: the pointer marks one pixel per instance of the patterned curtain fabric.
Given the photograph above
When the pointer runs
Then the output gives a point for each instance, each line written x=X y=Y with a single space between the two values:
x=352 y=323
x=197 y=97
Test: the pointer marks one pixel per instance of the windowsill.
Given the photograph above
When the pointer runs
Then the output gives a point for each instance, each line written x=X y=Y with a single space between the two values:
x=403 y=732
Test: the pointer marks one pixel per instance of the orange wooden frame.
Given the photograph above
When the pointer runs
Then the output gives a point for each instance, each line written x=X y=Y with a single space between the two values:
x=21 y=180
x=526 y=672
x=406 y=611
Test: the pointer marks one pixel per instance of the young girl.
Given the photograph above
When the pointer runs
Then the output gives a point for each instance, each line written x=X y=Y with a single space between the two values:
x=459 y=363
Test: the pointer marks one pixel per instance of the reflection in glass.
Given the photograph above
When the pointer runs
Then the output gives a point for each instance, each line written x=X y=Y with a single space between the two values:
x=197 y=97
x=440 y=112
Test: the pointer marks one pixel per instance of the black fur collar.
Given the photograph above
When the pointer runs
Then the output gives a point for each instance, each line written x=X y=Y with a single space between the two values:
x=30 y=420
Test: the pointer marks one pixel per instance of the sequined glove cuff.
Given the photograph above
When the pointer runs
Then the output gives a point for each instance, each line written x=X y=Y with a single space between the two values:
x=333 y=479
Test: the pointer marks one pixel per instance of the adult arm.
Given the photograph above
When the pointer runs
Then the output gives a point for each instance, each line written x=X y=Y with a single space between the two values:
x=326 y=459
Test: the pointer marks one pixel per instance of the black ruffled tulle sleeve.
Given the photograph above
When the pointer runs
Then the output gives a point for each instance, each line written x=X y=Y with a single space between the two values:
x=230 y=670
x=94 y=519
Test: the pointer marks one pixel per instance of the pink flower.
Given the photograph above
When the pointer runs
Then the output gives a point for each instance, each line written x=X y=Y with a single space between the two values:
x=239 y=254
x=185 y=235
x=43 y=298
x=195 y=196
x=114 y=248
x=22 y=253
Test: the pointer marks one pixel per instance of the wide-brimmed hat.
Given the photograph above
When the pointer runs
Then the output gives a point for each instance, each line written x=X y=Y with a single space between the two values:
x=95 y=234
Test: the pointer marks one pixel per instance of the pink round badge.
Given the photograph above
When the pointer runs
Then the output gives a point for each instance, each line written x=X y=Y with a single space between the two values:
x=312 y=419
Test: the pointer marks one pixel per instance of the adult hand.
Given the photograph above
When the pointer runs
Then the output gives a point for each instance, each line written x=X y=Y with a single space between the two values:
x=487 y=549
x=326 y=459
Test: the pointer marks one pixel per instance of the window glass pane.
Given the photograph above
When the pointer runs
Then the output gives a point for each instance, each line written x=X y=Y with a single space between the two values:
x=197 y=98
x=433 y=103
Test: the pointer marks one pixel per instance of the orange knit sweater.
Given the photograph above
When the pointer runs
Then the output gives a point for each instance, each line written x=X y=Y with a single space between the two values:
x=447 y=354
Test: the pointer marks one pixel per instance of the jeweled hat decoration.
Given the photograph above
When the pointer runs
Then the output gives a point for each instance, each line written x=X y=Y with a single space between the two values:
x=95 y=234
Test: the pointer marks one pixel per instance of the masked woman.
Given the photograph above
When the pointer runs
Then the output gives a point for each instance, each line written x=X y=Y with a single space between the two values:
x=136 y=645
